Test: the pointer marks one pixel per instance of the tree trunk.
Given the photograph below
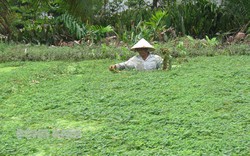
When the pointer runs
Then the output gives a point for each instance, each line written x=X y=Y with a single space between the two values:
x=154 y=4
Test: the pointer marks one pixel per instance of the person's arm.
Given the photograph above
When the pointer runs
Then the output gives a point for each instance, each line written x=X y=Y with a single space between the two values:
x=130 y=64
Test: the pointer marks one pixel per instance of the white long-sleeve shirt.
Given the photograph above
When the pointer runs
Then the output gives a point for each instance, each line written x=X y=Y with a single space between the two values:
x=152 y=62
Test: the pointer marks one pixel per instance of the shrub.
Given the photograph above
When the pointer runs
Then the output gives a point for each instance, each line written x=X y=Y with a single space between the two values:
x=23 y=52
x=179 y=47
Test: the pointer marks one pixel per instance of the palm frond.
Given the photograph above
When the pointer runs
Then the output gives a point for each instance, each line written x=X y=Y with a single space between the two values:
x=74 y=26
x=4 y=13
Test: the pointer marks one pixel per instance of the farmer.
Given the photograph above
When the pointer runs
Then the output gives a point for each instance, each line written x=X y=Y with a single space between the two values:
x=143 y=61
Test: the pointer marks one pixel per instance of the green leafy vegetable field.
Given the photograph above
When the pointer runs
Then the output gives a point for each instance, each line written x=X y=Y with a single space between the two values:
x=201 y=107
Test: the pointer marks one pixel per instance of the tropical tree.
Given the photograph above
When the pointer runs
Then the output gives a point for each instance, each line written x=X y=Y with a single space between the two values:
x=84 y=9
x=4 y=18
x=44 y=21
x=40 y=21
x=237 y=12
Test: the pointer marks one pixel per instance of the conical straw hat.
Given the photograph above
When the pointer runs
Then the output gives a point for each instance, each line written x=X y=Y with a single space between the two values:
x=142 y=44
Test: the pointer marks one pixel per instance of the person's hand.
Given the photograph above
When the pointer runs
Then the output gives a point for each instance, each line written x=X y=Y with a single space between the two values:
x=112 y=68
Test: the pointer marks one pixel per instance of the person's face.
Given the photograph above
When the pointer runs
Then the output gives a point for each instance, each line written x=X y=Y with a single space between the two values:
x=142 y=51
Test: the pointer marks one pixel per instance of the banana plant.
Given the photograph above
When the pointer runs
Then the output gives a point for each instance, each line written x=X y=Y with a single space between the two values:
x=211 y=42
x=97 y=32
x=155 y=23
x=73 y=25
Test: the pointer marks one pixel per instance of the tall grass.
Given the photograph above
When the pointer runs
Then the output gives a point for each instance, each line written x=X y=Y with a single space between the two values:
x=22 y=52
x=178 y=47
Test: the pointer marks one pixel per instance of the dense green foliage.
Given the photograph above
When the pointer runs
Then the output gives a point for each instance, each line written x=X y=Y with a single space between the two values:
x=198 y=108
x=179 y=48
x=50 y=21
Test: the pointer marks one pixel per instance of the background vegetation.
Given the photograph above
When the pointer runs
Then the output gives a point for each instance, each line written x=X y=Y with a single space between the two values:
x=51 y=21
x=185 y=47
